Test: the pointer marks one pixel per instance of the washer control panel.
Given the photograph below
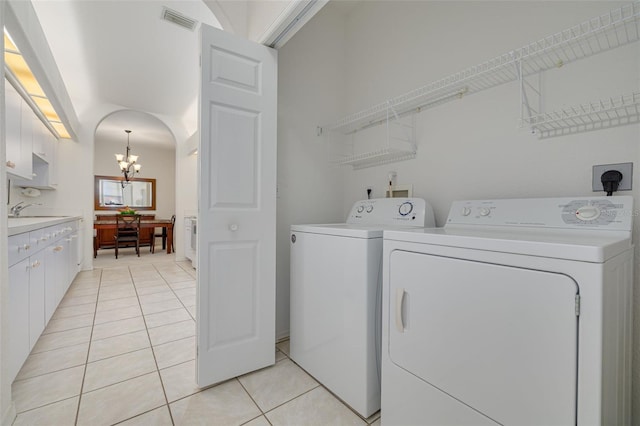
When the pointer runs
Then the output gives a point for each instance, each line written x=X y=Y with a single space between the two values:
x=413 y=212
x=612 y=213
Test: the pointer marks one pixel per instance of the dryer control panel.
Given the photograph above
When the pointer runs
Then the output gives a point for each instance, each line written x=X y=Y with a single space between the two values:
x=409 y=212
x=610 y=213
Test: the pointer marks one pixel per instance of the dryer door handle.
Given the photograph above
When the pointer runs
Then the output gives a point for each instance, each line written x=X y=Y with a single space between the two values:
x=399 y=304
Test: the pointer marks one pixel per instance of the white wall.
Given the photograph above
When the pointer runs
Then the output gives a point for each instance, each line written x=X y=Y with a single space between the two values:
x=248 y=18
x=157 y=163
x=310 y=87
x=187 y=182
x=261 y=14
x=468 y=148
x=472 y=148
x=7 y=409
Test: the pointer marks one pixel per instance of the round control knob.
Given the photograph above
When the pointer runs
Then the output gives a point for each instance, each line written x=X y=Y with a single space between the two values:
x=484 y=211
x=405 y=208
x=369 y=209
x=466 y=211
x=587 y=213
x=360 y=209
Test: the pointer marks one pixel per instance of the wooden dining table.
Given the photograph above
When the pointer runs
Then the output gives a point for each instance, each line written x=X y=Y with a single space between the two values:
x=166 y=224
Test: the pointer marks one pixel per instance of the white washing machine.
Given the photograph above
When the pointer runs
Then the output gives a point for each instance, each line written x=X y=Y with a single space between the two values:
x=336 y=294
x=517 y=312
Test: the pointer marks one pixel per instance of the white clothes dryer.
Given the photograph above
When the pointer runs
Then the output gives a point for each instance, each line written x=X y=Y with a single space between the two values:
x=336 y=296
x=517 y=312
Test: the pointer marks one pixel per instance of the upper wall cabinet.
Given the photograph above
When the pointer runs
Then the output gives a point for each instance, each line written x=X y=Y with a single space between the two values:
x=31 y=147
x=18 y=134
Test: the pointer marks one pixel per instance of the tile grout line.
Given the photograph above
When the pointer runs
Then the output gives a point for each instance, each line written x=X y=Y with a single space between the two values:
x=174 y=292
x=42 y=406
x=181 y=303
x=84 y=374
x=61 y=347
x=262 y=413
x=49 y=372
x=330 y=392
x=153 y=352
x=296 y=397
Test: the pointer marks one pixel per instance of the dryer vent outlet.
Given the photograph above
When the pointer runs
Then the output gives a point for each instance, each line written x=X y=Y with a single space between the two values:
x=627 y=176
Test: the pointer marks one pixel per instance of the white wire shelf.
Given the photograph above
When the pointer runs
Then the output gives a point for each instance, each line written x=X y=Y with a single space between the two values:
x=617 y=28
x=395 y=141
x=601 y=114
x=376 y=158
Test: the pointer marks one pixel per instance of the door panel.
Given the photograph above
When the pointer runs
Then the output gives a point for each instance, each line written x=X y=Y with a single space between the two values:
x=234 y=304
x=236 y=131
x=500 y=339
x=236 y=214
x=235 y=70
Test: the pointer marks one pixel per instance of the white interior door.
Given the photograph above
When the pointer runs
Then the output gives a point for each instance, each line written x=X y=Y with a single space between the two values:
x=237 y=207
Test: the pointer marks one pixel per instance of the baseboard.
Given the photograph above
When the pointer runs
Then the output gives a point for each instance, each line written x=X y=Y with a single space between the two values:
x=282 y=335
x=9 y=415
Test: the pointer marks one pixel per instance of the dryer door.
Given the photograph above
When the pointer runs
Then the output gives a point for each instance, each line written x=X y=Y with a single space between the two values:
x=500 y=339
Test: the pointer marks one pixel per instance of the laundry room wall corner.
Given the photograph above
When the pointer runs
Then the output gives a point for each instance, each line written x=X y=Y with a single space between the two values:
x=310 y=87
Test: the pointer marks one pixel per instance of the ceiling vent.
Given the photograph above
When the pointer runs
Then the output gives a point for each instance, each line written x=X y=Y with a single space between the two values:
x=178 y=18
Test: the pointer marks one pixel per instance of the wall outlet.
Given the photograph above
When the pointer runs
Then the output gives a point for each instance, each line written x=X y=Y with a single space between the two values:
x=627 y=175
x=369 y=191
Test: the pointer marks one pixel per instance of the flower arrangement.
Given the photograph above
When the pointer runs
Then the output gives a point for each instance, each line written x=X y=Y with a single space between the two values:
x=127 y=210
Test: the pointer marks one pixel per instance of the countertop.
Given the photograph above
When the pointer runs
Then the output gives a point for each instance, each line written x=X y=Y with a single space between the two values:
x=21 y=224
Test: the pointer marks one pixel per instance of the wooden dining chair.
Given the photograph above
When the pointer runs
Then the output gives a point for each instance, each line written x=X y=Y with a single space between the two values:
x=127 y=231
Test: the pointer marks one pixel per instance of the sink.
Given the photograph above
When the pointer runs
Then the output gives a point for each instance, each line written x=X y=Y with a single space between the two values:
x=29 y=220
x=28 y=216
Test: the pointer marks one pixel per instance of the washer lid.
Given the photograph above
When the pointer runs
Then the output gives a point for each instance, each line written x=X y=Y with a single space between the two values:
x=341 y=230
x=586 y=246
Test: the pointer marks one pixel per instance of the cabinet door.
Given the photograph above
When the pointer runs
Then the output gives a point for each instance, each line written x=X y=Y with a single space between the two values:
x=18 y=316
x=79 y=250
x=38 y=137
x=72 y=258
x=50 y=280
x=18 y=162
x=26 y=140
x=61 y=251
x=51 y=144
x=36 y=297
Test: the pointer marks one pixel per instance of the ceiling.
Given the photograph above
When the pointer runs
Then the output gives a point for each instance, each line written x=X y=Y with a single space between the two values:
x=121 y=52
x=145 y=130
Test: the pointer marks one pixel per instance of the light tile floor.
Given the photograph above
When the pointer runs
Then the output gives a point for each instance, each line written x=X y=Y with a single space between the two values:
x=120 y=350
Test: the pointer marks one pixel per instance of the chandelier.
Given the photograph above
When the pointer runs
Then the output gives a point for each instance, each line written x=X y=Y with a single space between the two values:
x=128 y=164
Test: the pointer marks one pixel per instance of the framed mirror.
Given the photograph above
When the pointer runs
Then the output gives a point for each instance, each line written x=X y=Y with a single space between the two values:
x=109 y=193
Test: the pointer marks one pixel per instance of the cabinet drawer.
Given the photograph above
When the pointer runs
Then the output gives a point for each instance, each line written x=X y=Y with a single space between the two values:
x=19 y=247
x=39 y=239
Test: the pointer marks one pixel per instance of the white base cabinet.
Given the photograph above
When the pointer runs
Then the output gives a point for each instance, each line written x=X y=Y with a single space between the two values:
x=36 y=297
x=42 y=265
x=18 y=316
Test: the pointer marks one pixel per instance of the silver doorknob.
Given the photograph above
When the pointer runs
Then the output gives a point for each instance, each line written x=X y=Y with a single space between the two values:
x=233 y=227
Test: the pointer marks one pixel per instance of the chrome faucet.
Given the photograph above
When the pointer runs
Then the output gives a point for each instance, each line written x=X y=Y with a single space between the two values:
x=15 y=210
